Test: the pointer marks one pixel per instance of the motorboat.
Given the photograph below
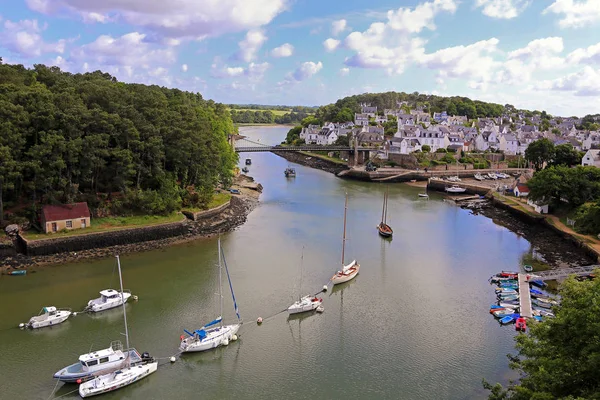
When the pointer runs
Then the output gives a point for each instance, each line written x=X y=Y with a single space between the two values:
x=248 y=161
x=347 y=272
x=98 y=362
x=306 y=303
x=290 y=172
x=528 y=268
x=478 y=177
x=215 y=333
x=125 y=375
x=455 y=189
x=108 y=299
x=492 y=175
x=48 y=316
x=424 y=195
x=245 y=170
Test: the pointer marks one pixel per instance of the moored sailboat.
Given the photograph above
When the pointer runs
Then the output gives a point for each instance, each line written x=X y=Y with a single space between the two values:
x=347 y=272
x=384 y=229
x=305 y=303
x=213 y=334
x=123 y=376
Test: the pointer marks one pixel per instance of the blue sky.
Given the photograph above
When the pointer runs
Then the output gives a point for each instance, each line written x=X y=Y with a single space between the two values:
x=542 y=54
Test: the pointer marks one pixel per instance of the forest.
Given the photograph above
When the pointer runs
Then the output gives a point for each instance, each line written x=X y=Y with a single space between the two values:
x=266 y=117
x=124 y=148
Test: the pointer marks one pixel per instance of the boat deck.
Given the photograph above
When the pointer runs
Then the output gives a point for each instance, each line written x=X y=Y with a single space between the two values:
x=524 y=297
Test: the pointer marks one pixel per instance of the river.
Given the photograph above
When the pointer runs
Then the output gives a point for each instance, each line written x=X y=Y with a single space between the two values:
x=413 y=324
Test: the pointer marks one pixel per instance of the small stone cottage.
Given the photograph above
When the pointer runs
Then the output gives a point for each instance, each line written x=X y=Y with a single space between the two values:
x=65 y=216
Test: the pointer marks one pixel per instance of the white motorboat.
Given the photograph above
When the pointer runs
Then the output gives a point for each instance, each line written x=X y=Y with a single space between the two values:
x=478 y=177
x=492 y=175
x=455 y=189
x=108 y=299
x=49 y=316
x=348 y=272
x=502 y=175
x=453 y=179
x=424 y=195
x=306 y=303
x=98 y=362
x=123 y=376
x=219 y=335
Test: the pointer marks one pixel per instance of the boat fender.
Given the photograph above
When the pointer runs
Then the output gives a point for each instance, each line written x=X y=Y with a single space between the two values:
x=181 y=337
x=259 y=320
x=79 y=381
x=225 y=342
x=21 y=325
x=173 y=359
x=324 y=288
x=234 y=338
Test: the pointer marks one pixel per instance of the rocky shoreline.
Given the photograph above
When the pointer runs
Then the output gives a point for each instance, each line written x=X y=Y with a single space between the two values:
x=226 y=221
x=310 y=161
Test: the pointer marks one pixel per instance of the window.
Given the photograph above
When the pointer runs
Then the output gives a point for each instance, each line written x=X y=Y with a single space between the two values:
x=69 y=224
x=92 y=363
x=103 y=360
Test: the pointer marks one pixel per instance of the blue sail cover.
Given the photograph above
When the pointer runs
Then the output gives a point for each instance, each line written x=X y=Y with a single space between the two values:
x=237 y=311
x=201 y=334
x=211 y=323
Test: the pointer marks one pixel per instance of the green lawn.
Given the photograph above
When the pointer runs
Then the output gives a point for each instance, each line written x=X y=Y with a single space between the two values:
x=110 y=224
x=218 y=200
x=276 y=112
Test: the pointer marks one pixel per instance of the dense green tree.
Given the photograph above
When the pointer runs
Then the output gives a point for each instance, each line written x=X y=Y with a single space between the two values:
x=540 y=152
x=565 y=154
x=560 y=357
x=576 y=185
x=293 y=134
x=344 y=115
x=69 y=137
x=425 y=148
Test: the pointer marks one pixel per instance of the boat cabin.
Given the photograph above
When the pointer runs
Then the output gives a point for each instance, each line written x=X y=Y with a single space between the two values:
x=99 y=359
x=109 y=294
x=50 y=310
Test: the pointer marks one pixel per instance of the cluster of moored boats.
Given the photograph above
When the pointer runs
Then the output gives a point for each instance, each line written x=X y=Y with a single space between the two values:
x=112 y=368
x=491 y=175
x=508 y=305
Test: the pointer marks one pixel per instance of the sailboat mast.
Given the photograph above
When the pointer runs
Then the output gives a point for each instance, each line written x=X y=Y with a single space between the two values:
x=123 y=303
x=301 y=270
x=383 y=210
x=344 y=236
x=386 y=204
x=220 y=286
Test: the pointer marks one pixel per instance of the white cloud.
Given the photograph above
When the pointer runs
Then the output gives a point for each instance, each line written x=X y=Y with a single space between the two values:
x=251 y=44
x=24 y=38
x=590 y=55
x=392 y=44
x=184 y=67
x=539 y=54
x=331 y=44
x=303 y=72
x=128 y=51
x=583 y=83
x=254 y=71
x=285 y=50
x=179 y=19
x=472 y=62
x=338 y=27
x=344 y=71
x=502 y=9
x=575 y=13
x=257 y=71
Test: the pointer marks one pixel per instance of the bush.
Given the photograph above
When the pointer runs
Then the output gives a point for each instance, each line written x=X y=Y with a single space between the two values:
x=441 y=150
x=438 y=162
x=587 y=218
x=426 y=148
x=448 y=159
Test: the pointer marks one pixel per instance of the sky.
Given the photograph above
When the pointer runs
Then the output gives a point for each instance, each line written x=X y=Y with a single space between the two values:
x=533 y=54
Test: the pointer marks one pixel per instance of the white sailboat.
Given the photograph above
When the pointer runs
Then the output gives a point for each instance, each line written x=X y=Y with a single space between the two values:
x=122 y=376
x=218 y=335
x=306 y=303
x=347 y=272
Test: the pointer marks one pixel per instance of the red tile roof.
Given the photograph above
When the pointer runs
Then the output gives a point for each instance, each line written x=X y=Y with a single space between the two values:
x=523 y=188
x=65 y=211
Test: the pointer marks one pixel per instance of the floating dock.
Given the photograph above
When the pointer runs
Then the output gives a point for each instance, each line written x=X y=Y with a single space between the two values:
x=524 y=297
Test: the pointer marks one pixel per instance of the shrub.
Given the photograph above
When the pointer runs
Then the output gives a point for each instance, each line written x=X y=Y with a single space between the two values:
x=426 y=148
x=587 y=218
x=441 y=150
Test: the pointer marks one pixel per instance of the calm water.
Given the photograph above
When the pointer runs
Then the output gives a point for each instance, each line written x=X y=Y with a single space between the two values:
x=413 y=324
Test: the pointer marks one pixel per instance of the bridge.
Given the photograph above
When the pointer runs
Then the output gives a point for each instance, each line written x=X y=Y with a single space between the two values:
x=244 y=145
x=562 y=273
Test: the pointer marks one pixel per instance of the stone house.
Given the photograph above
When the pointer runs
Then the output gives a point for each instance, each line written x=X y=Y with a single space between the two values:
x=59 y=217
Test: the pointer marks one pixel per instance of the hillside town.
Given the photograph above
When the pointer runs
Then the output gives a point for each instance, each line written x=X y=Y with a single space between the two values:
x=509 y=134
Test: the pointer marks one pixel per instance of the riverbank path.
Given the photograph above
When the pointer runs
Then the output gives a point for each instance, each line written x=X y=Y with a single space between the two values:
x=524 y=297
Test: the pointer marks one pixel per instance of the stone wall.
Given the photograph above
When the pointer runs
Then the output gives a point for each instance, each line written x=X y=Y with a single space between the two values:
x=206 y=213
x=103 y=239
x=407 y=161
x=7 y=250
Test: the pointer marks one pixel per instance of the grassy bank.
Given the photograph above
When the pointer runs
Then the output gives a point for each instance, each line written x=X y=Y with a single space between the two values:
x=276 y=112
x=323 y=157
x=218 y=200
x=110 y=224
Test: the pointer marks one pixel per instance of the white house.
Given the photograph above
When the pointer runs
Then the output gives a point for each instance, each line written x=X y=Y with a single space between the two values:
x=367 y=109
x=381 y=119
x=540 y=207
x=361 y=119
x=508 y=144
x=521 y=190
x=310 y=134
x=434 y=139
x=403 y=145
x=592 y=140
x=592 y=158
x=327 y=136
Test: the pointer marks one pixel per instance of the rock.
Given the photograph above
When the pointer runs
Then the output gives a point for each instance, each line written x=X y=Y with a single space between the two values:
x=12 y=230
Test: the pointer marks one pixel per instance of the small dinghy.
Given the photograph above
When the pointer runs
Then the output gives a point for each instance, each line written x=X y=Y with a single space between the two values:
x=503 y=313
x=49 y=316
x=497 y=308
x=521 y=324
x=19 y=272
x=108 y=299
x=528 y=268
x=507 y=320
x=384 y=229
x=509 y=305
x=424 y=195
x=290 y=172
x=538 y=283
x=245 y=170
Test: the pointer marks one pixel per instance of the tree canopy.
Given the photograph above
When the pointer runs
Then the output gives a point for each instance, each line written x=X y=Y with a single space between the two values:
x=80 y=137
x=560 y=357
x=539 y=152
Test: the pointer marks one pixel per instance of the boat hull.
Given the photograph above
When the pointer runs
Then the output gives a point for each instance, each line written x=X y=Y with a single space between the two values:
x=214 y=340
x=95 y=306
x=59 y=318
x=116 y=380
x=74 y=372
x=345 y=276
x=385 y=230
x=304 y=306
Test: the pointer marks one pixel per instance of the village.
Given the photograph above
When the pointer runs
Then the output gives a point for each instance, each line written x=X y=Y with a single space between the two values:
x=417 y=131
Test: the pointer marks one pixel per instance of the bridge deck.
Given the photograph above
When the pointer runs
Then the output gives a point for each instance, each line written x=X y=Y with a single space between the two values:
x=562 y=272
x=524 y=297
